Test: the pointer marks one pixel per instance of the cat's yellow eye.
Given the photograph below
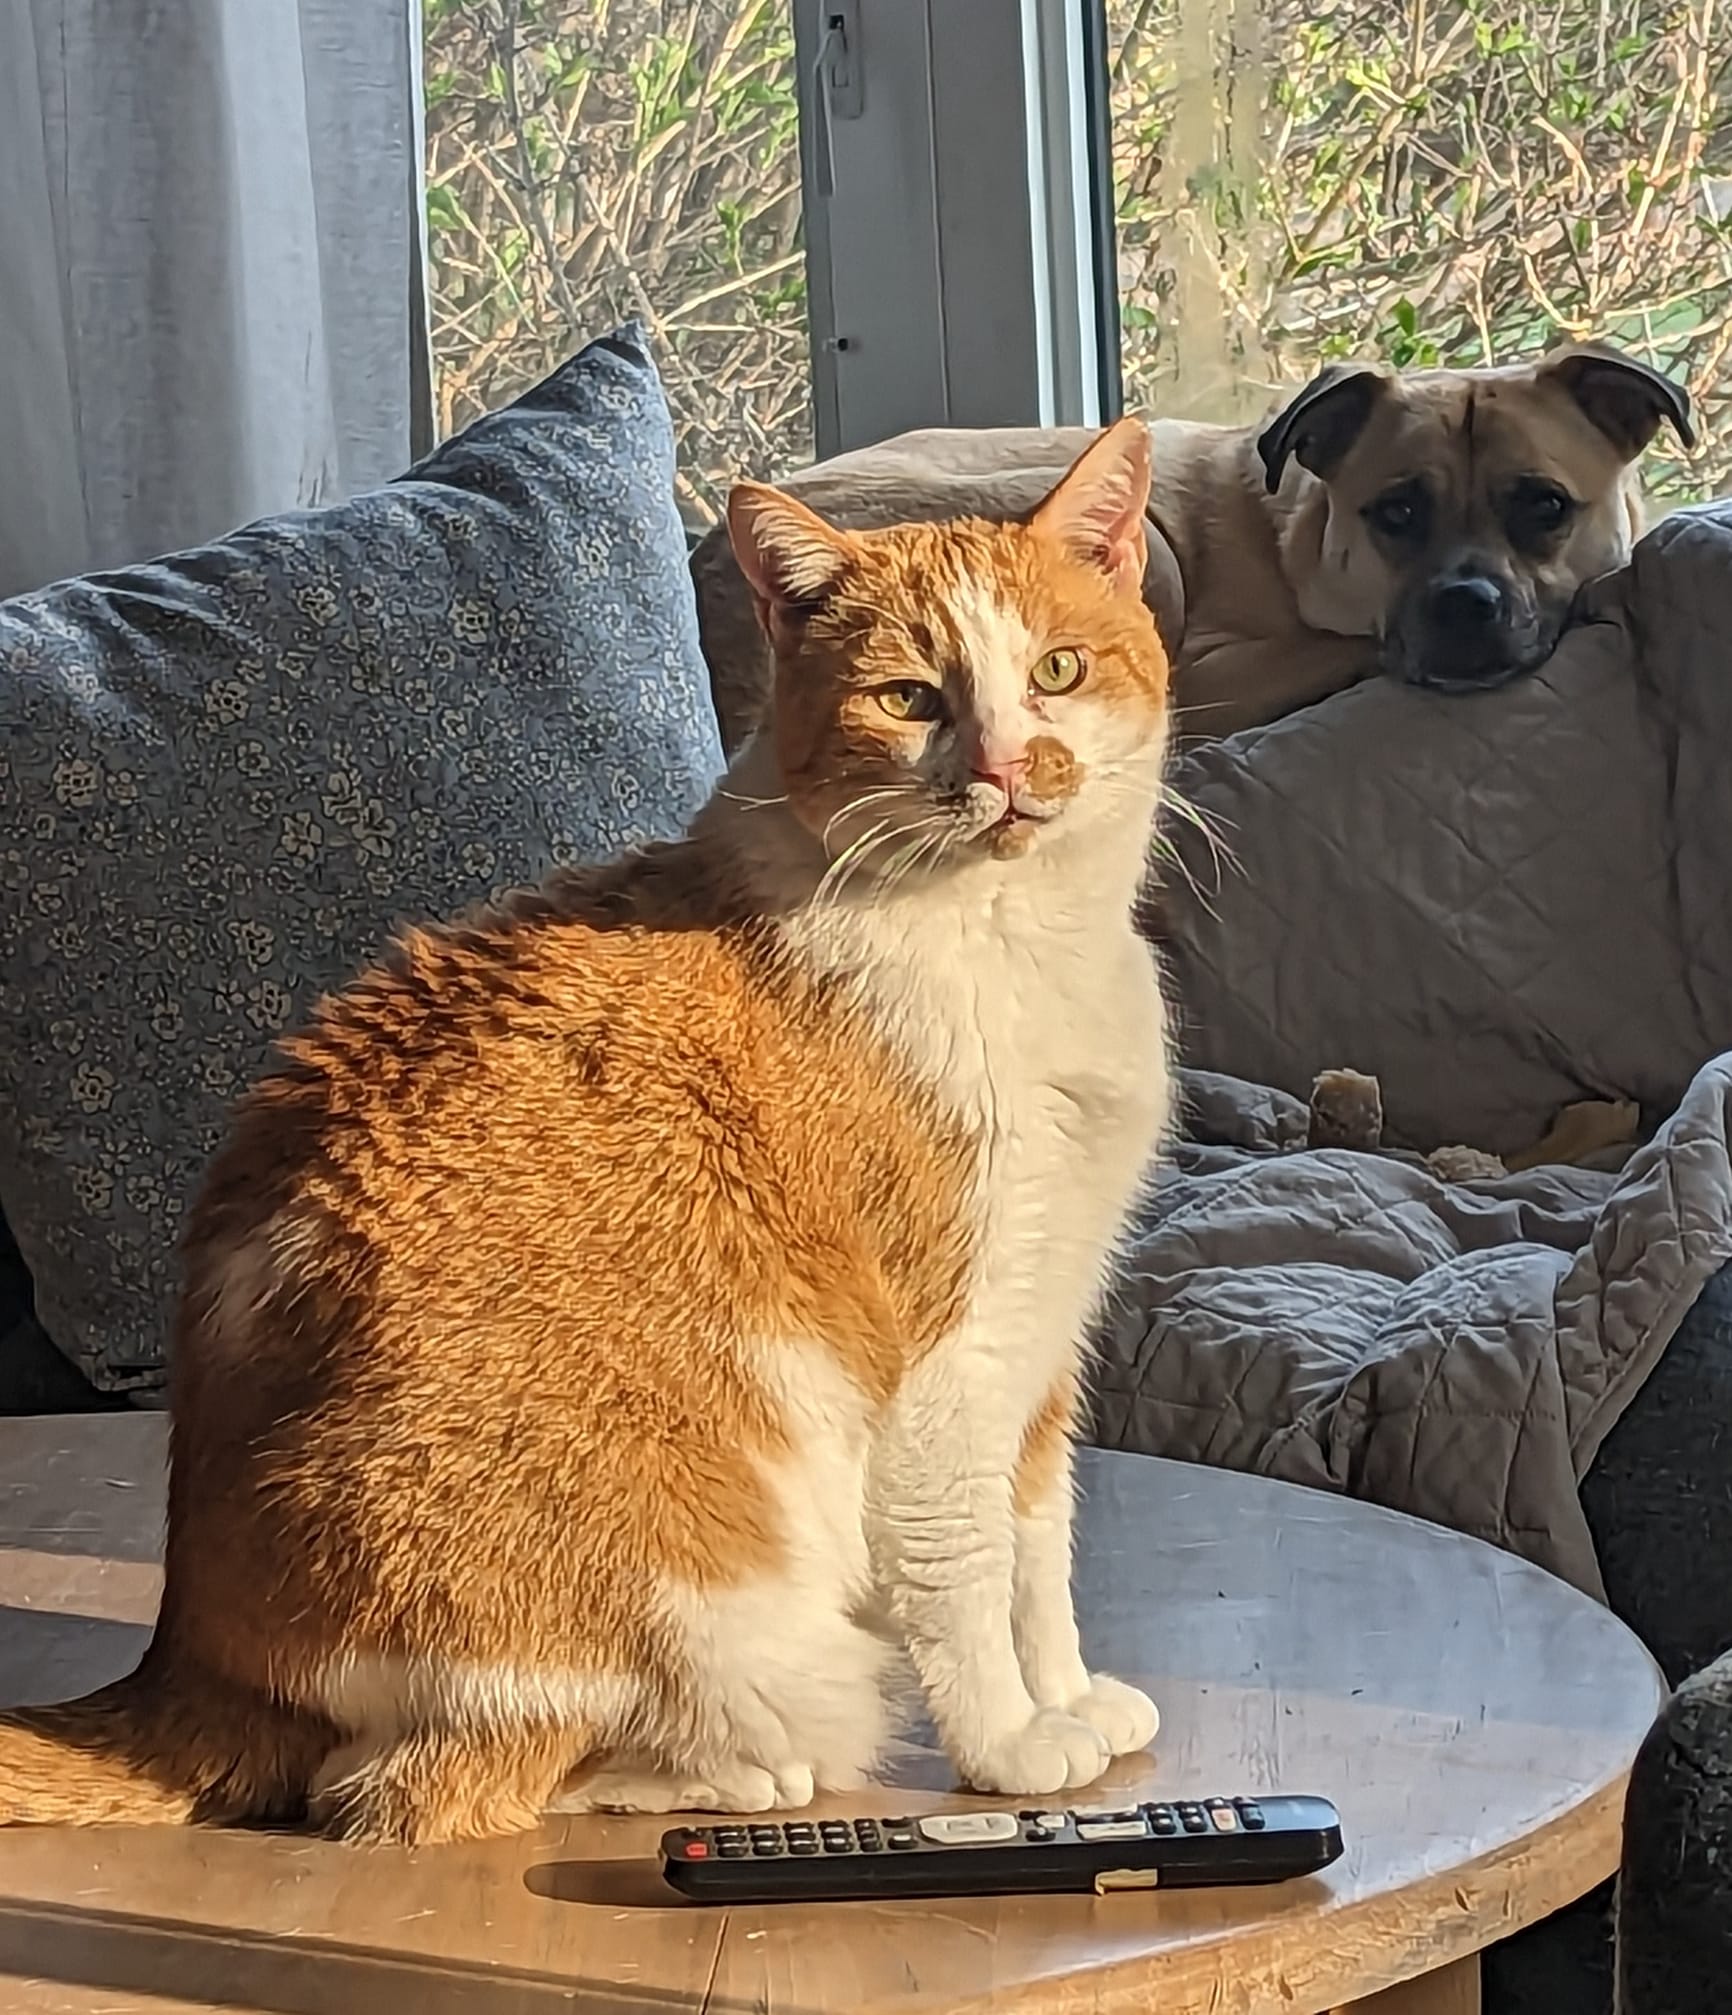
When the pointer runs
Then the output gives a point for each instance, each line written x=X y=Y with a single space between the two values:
x=910 y=700
x=1058 y=672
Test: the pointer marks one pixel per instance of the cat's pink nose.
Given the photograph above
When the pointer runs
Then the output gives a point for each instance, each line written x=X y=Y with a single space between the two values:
x=1006 y=772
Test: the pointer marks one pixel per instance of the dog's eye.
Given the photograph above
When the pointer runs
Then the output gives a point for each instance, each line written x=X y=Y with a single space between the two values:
x=1398 y=514
x=910 y=700
x=1541 y=507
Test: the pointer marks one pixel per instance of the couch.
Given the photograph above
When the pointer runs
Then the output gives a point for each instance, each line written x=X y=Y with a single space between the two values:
x=1674 y=1923
x=1499 y=906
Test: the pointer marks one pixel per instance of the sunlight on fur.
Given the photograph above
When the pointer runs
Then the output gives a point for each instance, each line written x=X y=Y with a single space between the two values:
x=629 y=1316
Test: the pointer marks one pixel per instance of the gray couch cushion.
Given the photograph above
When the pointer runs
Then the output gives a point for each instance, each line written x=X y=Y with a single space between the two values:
x=1496 y=903
x=1499 y=905
x=224 y=776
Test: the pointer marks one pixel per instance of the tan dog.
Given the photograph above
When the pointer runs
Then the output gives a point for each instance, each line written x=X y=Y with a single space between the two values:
x=1436 y=525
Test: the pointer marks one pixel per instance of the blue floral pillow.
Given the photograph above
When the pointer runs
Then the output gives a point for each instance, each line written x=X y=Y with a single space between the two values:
x=225 y=776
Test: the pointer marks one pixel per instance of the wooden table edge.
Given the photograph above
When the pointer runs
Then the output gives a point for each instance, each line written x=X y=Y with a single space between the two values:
x=1342 y=1952
x=1397 y=1938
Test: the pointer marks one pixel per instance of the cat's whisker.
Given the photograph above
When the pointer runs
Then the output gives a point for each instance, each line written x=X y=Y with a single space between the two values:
x=837 y=873
x=885 y=835
x=936 y=848
x=1108 y=782
x=925 y=842
x=899 y=833
x=751 y=804
x=859 y=805
x=1221 y=855
x=1167 y=855
x=1220 y=850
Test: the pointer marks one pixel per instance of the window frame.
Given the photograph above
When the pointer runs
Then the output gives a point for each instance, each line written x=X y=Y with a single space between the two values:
x=959 y=227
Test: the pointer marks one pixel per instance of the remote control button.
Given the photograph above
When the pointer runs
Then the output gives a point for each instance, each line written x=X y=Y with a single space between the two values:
x=1226 y=1819
x=1193 y=1821
x=1165 y=1823
x=696 y=1850
x=900 y=1839
x=1252 y=1815
x=736 y=1853
x=968 y=1829
x=803 y=1847
x=1038 y=1836
x=802 y=1833
x=1103 y=1827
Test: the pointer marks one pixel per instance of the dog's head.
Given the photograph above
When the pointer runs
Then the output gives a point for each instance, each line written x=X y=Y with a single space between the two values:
x=1461 y=511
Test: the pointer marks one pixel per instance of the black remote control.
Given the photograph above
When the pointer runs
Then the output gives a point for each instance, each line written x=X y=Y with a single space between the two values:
x=1185 y=1844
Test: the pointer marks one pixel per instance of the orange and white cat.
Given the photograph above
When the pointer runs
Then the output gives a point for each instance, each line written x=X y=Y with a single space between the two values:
x=626 y=1311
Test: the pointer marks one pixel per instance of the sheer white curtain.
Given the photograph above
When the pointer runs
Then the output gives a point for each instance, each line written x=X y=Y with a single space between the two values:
x=211 y=268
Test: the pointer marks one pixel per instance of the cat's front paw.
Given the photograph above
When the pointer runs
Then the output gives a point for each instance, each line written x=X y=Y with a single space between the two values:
x=1125 y=1719
x=1050 y=1753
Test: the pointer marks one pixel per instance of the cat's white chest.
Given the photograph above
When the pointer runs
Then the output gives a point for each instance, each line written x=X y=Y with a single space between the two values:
x=1044 y=1032
x=1055 y=1039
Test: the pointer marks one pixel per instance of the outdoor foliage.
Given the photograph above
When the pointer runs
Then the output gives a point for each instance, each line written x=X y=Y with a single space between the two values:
x=1298 y=180
x=1302 y=180
x=590 y=160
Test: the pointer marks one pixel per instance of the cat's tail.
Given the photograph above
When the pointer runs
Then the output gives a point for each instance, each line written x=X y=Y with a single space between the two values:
x=147 y=1751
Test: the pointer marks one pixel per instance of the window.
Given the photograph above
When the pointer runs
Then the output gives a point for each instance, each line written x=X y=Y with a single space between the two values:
x=952 y=214
x=1290 y=181
x=1426 y=182
x=591 y=160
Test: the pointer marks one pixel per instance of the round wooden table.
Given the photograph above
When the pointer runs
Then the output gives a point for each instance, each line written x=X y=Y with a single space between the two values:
x=1472 y=1718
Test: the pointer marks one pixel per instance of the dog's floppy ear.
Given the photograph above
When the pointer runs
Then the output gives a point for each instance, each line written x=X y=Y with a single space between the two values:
x=1318 y=425
x=1625 y=399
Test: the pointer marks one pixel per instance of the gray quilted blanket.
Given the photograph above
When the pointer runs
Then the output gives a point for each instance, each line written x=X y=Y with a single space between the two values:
x=1498 y=905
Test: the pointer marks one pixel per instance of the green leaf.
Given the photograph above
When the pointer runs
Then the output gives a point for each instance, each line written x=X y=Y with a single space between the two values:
x=444 y=212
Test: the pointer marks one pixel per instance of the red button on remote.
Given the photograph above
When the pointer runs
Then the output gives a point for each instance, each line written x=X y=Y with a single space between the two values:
x=697 y=1850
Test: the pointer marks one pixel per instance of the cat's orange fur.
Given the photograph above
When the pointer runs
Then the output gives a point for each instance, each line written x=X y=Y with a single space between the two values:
x=567 y=1247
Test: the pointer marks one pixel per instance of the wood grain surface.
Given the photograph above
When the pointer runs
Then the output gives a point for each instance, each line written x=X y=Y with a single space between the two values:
x=1473 y=1719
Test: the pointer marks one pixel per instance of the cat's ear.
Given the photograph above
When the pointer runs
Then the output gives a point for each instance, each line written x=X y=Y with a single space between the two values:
x=1097 y=510
x=790 y=557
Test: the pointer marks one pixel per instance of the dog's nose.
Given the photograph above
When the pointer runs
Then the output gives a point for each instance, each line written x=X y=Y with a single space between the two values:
x=1470 y=604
